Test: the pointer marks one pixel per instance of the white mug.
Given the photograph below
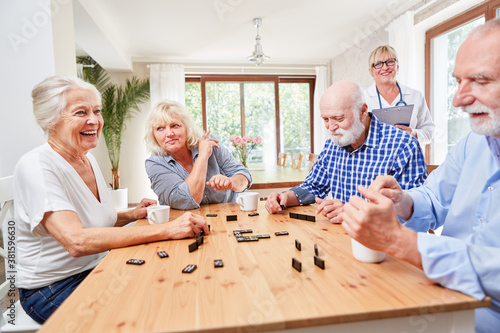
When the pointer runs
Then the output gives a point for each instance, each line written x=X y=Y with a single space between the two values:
x=248 y=201
x=158 y=214
x=364 y=254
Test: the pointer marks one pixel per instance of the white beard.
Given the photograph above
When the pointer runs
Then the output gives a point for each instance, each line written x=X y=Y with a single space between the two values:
x=348 y=136
x=491 y=127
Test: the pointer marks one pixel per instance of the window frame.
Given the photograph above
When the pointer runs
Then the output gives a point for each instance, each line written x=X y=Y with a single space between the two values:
x=277 y=79
x=486 y=9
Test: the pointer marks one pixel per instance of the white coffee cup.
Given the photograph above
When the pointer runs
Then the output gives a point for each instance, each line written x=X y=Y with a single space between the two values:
x=158 y=214
x=364 y=254
x=248 y=201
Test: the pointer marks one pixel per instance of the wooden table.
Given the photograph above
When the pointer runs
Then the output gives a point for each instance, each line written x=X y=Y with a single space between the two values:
x=257 y=289
x=274 y=176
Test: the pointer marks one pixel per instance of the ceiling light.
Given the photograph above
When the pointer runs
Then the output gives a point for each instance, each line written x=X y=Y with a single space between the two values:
x=258 y=55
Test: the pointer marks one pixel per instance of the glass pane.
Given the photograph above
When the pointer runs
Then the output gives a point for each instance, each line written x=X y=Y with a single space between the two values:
x=452 y=124
x=295 y=118
x=193 y=101
x=223 y=110
x=260 y=120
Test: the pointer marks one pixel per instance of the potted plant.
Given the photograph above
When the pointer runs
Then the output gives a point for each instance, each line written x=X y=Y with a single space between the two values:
x=118 y=105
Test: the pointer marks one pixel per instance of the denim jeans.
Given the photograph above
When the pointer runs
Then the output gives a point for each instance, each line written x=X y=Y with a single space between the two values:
x=40 y=303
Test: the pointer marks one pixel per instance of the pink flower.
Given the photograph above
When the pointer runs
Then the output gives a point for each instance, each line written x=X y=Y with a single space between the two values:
x=237 y=141
x=247 y=139
x=231 y=138
x=259 y=140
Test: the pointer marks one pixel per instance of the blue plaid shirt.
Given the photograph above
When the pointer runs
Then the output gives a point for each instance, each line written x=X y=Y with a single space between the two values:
x=386 y=151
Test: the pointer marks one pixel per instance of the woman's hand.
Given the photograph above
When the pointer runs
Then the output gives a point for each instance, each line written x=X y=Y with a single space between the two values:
x=220 y=183
x=205 y=146
x=138 y=212
x=188 y=225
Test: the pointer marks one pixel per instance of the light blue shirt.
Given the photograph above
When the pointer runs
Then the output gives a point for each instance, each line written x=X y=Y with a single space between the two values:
x=168 y=177
x=463 y=196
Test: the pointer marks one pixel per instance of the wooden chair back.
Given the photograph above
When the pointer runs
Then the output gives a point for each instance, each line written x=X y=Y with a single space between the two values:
x=312 y=158
x=431 y=167
x=281 y=159
x=297 y=160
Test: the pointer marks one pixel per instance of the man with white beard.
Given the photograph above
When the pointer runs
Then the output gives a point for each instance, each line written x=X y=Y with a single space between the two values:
x=360 y=149
x=462 y=195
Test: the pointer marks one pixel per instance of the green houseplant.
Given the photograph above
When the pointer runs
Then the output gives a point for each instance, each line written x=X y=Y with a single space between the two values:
x=118 y=105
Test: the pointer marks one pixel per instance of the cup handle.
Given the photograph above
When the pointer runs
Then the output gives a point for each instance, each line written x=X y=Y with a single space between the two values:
x=152 y=216
x=239 y=201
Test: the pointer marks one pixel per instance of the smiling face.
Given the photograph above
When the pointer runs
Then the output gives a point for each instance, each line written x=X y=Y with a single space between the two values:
x=385 y=74
x=80 y=124
x=478 y=75
x=171 y=136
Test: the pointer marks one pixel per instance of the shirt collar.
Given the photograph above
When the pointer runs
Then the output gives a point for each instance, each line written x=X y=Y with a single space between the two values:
x=494 y=145
x=372 y=138
x=194 y=152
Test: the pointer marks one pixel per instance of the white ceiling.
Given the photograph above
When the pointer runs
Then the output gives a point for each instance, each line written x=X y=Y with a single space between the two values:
x=119 y=32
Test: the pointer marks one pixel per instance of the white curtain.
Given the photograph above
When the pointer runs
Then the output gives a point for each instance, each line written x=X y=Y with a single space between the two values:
x=402 y=38
x=167 y=81
x=322 y=83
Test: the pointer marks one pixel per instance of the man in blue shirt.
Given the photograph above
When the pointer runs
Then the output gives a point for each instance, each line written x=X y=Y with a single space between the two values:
x=360 y=149
x=462 y=194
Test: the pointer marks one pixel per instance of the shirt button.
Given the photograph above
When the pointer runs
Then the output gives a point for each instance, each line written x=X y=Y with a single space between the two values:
x=490 y=188
x=481 y=220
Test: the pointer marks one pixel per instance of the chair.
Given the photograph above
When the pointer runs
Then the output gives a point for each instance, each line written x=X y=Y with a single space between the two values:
x=281 y=159
x=23 y=323
x=297 y=160
x=312 y=158
x=431 y=167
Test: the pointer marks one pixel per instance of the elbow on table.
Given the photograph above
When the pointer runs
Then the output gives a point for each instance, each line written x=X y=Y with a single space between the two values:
x=77 y=248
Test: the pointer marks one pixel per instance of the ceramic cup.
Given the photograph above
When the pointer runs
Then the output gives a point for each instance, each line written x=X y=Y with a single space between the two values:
x=364 y=254
x=248 y=201
x=158 y=214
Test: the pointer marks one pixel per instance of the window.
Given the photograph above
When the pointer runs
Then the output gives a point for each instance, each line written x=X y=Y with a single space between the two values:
x=253 y=105
x=442 y=43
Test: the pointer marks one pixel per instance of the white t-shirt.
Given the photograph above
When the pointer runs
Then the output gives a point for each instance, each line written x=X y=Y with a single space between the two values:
x=421 y=120
x=45 y=182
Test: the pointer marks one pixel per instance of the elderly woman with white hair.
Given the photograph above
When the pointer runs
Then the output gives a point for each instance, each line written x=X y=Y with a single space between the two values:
x=188 y=168
x=64 y=214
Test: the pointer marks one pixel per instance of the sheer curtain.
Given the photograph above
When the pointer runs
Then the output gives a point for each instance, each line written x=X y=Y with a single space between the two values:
x=322 y=83
x=167 y=81
x=402 y=38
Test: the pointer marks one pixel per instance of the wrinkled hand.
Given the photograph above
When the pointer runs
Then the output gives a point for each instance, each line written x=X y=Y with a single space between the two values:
x=389 y=187
x=188 y=225
x=374 y=222
x=140 y=211
x=405 y=128
x=205 y=146
x=330 y=208
x=220 y=183
x=273 y=202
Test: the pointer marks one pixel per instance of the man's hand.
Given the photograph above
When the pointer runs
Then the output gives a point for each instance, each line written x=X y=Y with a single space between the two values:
x=274 y=202
x=374 y=223
x=331 y=208
x=389 y=187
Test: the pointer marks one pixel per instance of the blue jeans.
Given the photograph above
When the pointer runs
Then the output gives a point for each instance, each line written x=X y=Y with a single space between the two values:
x=40 y=303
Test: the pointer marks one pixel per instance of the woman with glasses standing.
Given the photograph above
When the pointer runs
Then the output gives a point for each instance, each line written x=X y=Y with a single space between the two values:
x=386 y=92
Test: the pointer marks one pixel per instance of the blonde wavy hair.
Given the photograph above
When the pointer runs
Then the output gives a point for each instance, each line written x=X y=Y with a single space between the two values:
x=163 y=113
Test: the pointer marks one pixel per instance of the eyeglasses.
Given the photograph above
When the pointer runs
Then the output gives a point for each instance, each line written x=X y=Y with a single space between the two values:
x=388 y=62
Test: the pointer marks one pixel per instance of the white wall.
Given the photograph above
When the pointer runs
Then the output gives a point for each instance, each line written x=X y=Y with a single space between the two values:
x=133 y=152
x=27 y=56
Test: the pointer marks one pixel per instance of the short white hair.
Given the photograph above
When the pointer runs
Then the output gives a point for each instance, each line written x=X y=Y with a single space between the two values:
x=49 y=98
